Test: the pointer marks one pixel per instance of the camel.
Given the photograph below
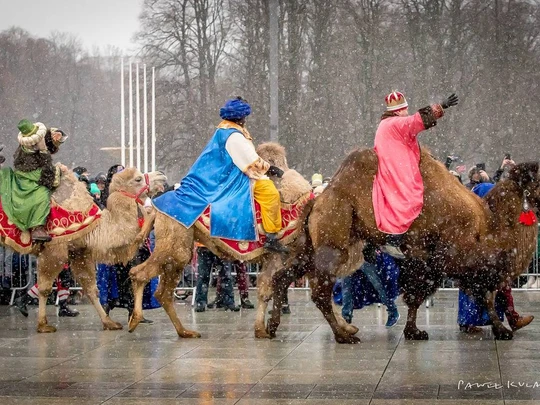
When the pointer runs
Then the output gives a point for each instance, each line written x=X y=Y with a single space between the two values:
x=479 y=243
x=114 y=238
x=174 y=247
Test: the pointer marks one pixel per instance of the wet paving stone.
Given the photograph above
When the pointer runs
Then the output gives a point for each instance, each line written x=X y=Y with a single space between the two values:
x=83 y=365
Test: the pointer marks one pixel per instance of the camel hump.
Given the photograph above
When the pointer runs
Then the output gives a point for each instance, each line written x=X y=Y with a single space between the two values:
x=72 y=194
x=360 y=161
x=293 y=186
x=274 y=154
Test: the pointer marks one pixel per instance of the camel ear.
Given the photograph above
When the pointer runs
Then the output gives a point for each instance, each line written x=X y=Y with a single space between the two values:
x=524 y=173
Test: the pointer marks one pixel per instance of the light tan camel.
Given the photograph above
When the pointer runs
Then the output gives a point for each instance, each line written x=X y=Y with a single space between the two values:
x=114 y=238
x=174 y=247
x=478 y=242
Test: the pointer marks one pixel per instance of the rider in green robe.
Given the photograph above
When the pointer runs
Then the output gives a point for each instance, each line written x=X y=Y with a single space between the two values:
x=25 y=192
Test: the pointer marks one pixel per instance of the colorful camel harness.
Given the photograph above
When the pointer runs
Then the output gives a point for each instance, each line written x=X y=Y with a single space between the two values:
x=63 y=225
x=137 y=198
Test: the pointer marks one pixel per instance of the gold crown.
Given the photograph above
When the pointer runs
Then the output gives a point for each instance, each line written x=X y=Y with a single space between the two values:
x=395 y=101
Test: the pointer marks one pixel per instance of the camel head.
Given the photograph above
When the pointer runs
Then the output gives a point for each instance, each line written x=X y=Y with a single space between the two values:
x=528 y=179
x=274 y=154
x=131 y=181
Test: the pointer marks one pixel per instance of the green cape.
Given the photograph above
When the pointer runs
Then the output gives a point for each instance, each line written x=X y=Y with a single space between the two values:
x=25 y=202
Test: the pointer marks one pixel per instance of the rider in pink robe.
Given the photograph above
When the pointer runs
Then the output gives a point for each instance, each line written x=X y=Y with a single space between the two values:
x=398 y=190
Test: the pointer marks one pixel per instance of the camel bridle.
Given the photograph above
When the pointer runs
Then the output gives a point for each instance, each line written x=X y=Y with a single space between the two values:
x=137 y=198
x=144 y=189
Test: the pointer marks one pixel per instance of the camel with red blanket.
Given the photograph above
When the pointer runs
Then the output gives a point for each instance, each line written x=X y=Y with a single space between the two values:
x=482 y=243
x=174 y=246
x=83 y=235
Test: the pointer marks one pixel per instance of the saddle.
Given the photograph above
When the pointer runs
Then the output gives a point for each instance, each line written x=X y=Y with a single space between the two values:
x=246 y=250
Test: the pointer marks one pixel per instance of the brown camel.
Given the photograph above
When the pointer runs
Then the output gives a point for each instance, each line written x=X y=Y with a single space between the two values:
x=480 y=243
x=174 y=247
x=114 y=238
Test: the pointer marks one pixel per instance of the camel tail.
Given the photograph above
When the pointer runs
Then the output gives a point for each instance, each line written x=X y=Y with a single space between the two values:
x=305 y=255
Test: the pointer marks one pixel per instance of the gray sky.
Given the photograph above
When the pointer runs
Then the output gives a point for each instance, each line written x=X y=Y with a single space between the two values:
x=95 y=22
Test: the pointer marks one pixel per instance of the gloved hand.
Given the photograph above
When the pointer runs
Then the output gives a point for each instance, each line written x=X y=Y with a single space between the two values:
x=450 y=101
x=275 y=171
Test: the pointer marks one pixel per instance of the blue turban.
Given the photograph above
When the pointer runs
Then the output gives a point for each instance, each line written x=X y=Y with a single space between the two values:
x=235 y=109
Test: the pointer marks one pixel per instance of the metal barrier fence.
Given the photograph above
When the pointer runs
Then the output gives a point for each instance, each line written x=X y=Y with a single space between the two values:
x=19 y=272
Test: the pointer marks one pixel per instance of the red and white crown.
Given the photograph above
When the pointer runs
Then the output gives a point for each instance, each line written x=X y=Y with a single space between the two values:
x=395 y=101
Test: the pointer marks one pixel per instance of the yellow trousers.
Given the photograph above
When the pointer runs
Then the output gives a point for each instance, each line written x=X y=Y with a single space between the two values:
x=267 y=195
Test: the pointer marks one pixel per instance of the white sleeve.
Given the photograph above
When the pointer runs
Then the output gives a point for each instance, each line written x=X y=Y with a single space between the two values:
x=241 y=150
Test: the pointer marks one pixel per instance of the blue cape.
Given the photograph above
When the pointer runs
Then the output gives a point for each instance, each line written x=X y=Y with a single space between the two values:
x=214 y=180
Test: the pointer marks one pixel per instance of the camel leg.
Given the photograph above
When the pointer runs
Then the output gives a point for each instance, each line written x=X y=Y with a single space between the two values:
x=171 y=240
x=50 y=264
x=499 y=330
x=86 y=275
x=411 y=331
x=350 y=329
x=418 y=282
x=174 y=246
x=281 y=281
x=165 y=296
x=45 y=283
x=321 y=295
x=264 y=294
x=140 y=276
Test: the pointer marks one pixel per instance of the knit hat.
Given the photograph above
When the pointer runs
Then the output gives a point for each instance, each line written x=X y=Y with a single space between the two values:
x=316 y=180
x=94 y=189
x=472 y=171
x=31 y=134
x=395 y=101
x=235 y=109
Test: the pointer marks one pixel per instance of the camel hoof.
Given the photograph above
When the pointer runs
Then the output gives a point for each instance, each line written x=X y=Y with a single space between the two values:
x=261 y=333
x=503 y=334
x=46 y=329
x=271 y=329
x=351 y=329
x=133 y=323
x=189 y=334
x=347 y=339
x=109 y=324
x=416 y=334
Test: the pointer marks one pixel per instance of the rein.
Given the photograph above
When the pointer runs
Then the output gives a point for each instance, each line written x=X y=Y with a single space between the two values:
x=137 y=198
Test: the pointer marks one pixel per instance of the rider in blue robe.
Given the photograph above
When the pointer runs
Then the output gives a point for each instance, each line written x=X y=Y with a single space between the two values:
x=227 y=177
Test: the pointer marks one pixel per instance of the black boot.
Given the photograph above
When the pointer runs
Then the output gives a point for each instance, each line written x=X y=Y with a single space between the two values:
x=200 y=307
x=272 y=244
x=285 y=310
x=393 y=246
x=216 y=303
x=64 y=310
x=110 y=305
x=246 y=303
x=21 y=303
x=231 y=307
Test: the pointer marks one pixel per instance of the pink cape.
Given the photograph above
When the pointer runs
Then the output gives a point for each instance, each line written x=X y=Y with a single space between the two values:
x=398 y=190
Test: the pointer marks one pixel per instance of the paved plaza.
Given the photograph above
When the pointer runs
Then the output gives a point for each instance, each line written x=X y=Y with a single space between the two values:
x=83 y=365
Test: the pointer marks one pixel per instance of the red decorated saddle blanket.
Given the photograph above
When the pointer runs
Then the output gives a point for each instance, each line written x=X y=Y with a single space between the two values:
x=62 y=225
x=249 y=250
